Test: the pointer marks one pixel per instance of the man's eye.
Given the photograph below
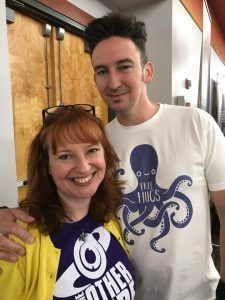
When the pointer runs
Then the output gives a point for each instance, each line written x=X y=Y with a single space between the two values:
x=101 y=72
x=124 y=67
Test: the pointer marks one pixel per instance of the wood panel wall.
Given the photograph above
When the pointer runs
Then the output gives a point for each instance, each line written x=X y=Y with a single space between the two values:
x=27 y=47
x=27 y=71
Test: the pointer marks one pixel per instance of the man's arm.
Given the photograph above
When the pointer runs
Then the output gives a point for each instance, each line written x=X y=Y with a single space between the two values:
x=10 y=250
x=218 y=199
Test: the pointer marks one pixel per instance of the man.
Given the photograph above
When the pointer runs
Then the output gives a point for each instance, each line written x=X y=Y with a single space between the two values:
x=172 y=158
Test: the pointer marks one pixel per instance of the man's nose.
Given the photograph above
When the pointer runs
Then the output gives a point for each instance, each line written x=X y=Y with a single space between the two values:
x=114 y=80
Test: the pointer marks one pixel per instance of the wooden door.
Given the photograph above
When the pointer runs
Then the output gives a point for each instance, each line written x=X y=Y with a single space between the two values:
x=27 y=71
x=77 y=75
x=27 y=47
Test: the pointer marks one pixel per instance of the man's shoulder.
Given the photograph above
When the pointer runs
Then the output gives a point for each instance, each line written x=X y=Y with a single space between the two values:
x=111 y=125
x=193 y=112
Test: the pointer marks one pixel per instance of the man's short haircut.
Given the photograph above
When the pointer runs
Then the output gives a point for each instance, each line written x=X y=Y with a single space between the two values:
x=117 y=24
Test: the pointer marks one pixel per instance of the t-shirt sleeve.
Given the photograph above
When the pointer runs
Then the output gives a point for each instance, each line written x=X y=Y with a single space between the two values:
x=215 y=155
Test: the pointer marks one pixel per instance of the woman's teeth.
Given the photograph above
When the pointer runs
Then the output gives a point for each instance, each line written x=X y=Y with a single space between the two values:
x=83 y=179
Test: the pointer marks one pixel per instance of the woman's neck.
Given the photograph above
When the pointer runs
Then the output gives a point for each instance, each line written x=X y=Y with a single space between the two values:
x=75 y=210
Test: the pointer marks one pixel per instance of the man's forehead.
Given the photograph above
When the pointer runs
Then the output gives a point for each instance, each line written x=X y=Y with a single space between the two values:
x=116 y=63
x=115 y=42
x=115 y=50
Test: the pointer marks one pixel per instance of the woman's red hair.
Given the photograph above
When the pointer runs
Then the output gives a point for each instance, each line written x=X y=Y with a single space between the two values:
x=42 y=202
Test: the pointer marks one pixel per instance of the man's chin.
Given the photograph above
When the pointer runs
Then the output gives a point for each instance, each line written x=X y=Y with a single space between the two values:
x=117 y=108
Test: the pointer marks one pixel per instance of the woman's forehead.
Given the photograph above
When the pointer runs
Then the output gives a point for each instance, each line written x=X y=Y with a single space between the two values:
x=70 y=135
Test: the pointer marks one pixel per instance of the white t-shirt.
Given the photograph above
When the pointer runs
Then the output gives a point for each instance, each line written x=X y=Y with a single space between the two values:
x=169 y=163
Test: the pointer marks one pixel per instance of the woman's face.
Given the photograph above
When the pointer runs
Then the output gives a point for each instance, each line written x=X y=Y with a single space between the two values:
x=77 y=170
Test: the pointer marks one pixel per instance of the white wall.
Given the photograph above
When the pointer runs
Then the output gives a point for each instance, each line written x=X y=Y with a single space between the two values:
x=8 y=184
x=92 y=7
x=158 y=19
x=174 y=47
x=187 y=40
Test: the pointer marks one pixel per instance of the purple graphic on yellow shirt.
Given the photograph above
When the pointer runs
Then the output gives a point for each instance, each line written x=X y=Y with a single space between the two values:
x=157 y=207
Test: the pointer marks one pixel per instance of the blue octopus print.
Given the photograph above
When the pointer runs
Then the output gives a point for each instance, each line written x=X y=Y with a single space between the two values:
x=157 y=207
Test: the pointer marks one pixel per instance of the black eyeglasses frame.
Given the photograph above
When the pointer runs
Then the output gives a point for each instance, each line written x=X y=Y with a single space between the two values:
x=46 y=112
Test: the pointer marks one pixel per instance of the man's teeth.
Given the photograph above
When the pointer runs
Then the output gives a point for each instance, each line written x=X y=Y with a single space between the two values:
x=82 y=179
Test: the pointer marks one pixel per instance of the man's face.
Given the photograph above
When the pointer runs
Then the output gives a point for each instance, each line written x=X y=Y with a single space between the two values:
x=119 y=74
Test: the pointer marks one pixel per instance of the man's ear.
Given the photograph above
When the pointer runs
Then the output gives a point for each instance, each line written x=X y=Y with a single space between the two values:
x=148 y=72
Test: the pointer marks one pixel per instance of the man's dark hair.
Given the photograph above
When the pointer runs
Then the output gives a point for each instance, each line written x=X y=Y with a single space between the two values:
x=117 y=24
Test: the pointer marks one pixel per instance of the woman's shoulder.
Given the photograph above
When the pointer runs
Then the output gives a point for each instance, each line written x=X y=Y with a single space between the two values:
x=114 y=228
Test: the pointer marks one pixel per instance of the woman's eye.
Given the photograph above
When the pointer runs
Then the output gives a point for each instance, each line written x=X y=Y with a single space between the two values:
x=65 y=157
x=93 y=150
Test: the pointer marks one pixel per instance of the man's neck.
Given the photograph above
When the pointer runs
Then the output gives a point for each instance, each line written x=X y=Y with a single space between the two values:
x=140 y=116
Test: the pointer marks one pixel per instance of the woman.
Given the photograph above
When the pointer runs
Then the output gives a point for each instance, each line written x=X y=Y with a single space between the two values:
x=73 y=193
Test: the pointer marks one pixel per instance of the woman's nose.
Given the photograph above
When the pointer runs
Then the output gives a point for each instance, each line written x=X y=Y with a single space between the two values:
x=82 y=164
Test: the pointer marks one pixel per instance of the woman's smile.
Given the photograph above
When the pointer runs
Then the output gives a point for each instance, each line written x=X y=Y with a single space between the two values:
x=77 y=170
x=83 y=180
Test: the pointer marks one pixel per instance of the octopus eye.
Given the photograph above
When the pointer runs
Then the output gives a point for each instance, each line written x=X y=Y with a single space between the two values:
x=138 y=173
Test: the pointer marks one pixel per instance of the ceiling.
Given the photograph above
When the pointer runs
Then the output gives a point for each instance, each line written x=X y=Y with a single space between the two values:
x=125 y=4
x=217 y=7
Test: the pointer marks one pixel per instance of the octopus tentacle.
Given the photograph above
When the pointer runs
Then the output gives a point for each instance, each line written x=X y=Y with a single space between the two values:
x=155 y=206
x=187 y=219
x=153 y=222
x=165 y=227
x=175 y=186
x=142 y=217
x=125 y=215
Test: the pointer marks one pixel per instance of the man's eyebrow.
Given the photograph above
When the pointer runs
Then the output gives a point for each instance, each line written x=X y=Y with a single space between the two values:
x=125 y=60
x=121 y=61
x=96 y=68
